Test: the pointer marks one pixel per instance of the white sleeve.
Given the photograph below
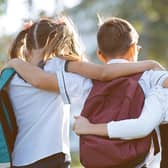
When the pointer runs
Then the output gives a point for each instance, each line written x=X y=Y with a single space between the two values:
x=53 y=65
x=152 y=115
x=77 y=87
x=151 y=78
x=73 y=87
x=158 y=77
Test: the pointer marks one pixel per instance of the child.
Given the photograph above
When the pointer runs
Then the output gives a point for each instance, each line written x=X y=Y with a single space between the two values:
x=42 y=139
x=154 y=111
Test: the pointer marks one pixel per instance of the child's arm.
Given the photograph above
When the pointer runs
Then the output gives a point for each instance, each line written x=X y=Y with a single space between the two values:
x=82 y=126
x=110 y=71
x=152 y=116
x=47 y=81
x=34 y=75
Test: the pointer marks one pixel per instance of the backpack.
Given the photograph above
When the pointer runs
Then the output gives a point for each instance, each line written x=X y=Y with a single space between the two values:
x=116 y=100
x=164 y=139
x=7 y=118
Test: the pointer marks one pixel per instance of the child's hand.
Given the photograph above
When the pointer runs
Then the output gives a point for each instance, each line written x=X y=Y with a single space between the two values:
x=154 y=65
x=81 y=125
x=70 y=57
x=7 y=65
x=158 y=66
x=10 y=64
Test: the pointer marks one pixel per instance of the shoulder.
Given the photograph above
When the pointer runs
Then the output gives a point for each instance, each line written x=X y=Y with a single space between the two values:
x=147 y=74
x=54 y=64
x=152 y=74
x=18 y=81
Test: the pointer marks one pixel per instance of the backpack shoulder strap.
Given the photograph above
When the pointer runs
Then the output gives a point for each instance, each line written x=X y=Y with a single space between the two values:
x=6 y=76
x=7 y=117
x=164 y=139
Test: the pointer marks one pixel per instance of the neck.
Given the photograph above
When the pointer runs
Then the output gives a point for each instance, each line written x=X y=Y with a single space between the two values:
x=126 y=57
x=36 y=56
x=36 y=60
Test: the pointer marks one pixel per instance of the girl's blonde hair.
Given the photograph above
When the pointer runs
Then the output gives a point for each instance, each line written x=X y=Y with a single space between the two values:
x=57 y=36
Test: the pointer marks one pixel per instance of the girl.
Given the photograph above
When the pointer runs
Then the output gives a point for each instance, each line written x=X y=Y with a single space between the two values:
x=43 y=125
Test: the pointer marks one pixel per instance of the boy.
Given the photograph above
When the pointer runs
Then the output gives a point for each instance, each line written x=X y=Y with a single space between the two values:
x=118 y=42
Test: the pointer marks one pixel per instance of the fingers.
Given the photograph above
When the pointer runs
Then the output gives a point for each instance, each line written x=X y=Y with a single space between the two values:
x=73 y=127
x=76 y=117
x=70 y=57
x=75 y=130
x=4 y=67
x=74 y=124
x=27 y=25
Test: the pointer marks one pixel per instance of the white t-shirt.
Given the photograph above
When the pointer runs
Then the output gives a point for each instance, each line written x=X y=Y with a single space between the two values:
x=42 y=120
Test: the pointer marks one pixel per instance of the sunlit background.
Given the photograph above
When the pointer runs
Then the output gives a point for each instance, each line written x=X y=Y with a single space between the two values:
x=150 y=17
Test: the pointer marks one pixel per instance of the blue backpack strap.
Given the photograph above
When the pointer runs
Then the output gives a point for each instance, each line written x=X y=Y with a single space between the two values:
x=6 y=76
x=7 y=118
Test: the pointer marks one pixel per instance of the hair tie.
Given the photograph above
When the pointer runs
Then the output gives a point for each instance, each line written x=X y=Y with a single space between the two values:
x=35 y=36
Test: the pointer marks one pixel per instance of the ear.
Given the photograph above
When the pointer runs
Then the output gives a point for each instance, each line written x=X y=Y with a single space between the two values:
x=101 y=56
x=131 y=52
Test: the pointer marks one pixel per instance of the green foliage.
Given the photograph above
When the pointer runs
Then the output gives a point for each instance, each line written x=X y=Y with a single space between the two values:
x=150 y=17
x=75 y=160
x=2 y=6
x=5 y=42
x=153 y=17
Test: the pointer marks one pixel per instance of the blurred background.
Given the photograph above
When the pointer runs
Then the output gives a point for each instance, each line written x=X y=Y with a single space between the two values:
x=150 y=18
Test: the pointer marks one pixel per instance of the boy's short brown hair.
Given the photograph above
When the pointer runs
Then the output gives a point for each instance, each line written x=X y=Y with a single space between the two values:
x=115 y=36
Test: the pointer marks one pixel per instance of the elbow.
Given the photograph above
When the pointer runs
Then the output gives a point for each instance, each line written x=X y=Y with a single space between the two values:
x=36 y=84
x=105 y=75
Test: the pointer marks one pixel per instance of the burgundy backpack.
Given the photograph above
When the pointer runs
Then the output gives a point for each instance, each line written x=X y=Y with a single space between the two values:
x=116 y=100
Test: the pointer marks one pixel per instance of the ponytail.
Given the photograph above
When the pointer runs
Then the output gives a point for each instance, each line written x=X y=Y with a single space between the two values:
x=15 y=51
x=61 y=43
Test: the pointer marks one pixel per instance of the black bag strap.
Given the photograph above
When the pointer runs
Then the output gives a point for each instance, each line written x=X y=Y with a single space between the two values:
x=164 y=143
x=155 y=142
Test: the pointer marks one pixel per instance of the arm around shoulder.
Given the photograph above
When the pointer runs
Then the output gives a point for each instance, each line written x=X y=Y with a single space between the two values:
x=108 y=72
x=34 y=75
